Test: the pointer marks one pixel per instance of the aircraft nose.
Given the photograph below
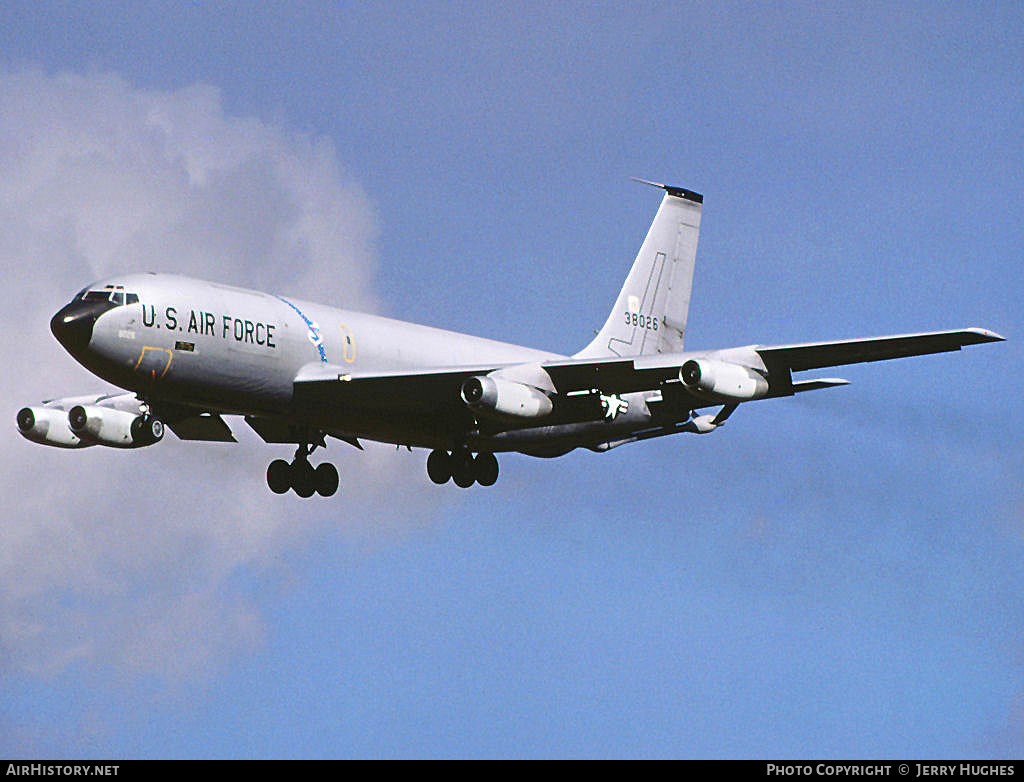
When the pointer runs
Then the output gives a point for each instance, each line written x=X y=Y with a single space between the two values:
x=72 y=325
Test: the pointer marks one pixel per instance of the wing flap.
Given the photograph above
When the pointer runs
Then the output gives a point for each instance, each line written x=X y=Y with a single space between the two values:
x=615 y=376
x=206 y=427
x=430 y=392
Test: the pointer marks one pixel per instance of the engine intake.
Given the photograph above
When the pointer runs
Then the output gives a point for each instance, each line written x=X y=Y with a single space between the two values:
x=48 y=426
x=721 y=379
x=504 y=398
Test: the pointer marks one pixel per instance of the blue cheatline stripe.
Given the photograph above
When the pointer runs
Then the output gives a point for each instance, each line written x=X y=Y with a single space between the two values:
x=314 y=332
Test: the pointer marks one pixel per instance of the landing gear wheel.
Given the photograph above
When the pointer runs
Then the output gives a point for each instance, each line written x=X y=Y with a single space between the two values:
x=279 y=476
x=439 y=467
x=486 y=468
x=326 y=479
x=463 y=472
x=303 y=478
x=299 y=475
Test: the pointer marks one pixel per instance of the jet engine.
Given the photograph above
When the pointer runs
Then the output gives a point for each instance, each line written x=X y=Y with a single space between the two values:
x=504 y=398
x=48 y=426
x=114 y=428
x=721 y=379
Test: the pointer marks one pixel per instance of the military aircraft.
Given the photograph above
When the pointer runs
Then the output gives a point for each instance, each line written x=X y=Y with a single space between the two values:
x=188 y=352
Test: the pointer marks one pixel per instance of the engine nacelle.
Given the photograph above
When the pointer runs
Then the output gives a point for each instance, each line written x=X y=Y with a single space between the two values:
x=114 y=428
x=504 y=398
x=48 y=426
x=722 y=379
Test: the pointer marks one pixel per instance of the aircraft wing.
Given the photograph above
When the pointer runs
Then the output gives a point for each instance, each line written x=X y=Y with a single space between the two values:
x=641 y=373
x=430 y=398
x=411 y=390
x=815 y=355
x=435 y=392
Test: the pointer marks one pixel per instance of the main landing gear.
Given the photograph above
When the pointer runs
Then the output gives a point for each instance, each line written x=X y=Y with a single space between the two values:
x=462 y=467
x=300 y=476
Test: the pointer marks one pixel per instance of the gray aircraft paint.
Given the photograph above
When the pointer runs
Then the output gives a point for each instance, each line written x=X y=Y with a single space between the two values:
x=188 y=351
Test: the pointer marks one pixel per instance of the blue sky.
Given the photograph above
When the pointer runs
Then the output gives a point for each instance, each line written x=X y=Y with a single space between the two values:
x=836 y=575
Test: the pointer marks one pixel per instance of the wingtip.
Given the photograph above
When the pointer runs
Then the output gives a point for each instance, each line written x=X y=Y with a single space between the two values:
x=986 y=335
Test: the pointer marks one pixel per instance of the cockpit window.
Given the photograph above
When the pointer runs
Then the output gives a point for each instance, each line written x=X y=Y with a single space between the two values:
x=113 y=293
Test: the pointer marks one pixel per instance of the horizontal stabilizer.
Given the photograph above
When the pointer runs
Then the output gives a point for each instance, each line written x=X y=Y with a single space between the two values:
x=821 y=382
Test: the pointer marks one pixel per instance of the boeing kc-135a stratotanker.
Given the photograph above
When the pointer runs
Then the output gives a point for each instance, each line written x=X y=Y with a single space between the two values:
x=188 y=352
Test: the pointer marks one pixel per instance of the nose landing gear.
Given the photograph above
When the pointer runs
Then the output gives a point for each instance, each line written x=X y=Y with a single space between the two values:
x=300 y=476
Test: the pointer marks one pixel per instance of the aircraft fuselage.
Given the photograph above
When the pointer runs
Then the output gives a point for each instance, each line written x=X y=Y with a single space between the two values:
x=188 y=351
x=231 y=350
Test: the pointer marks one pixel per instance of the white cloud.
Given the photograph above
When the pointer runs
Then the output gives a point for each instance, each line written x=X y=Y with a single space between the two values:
x=124 y=559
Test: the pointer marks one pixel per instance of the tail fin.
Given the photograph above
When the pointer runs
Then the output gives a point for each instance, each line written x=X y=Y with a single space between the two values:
x=650 y=313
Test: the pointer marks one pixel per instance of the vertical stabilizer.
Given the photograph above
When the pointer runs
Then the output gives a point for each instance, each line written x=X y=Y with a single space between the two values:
x=650 y=313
